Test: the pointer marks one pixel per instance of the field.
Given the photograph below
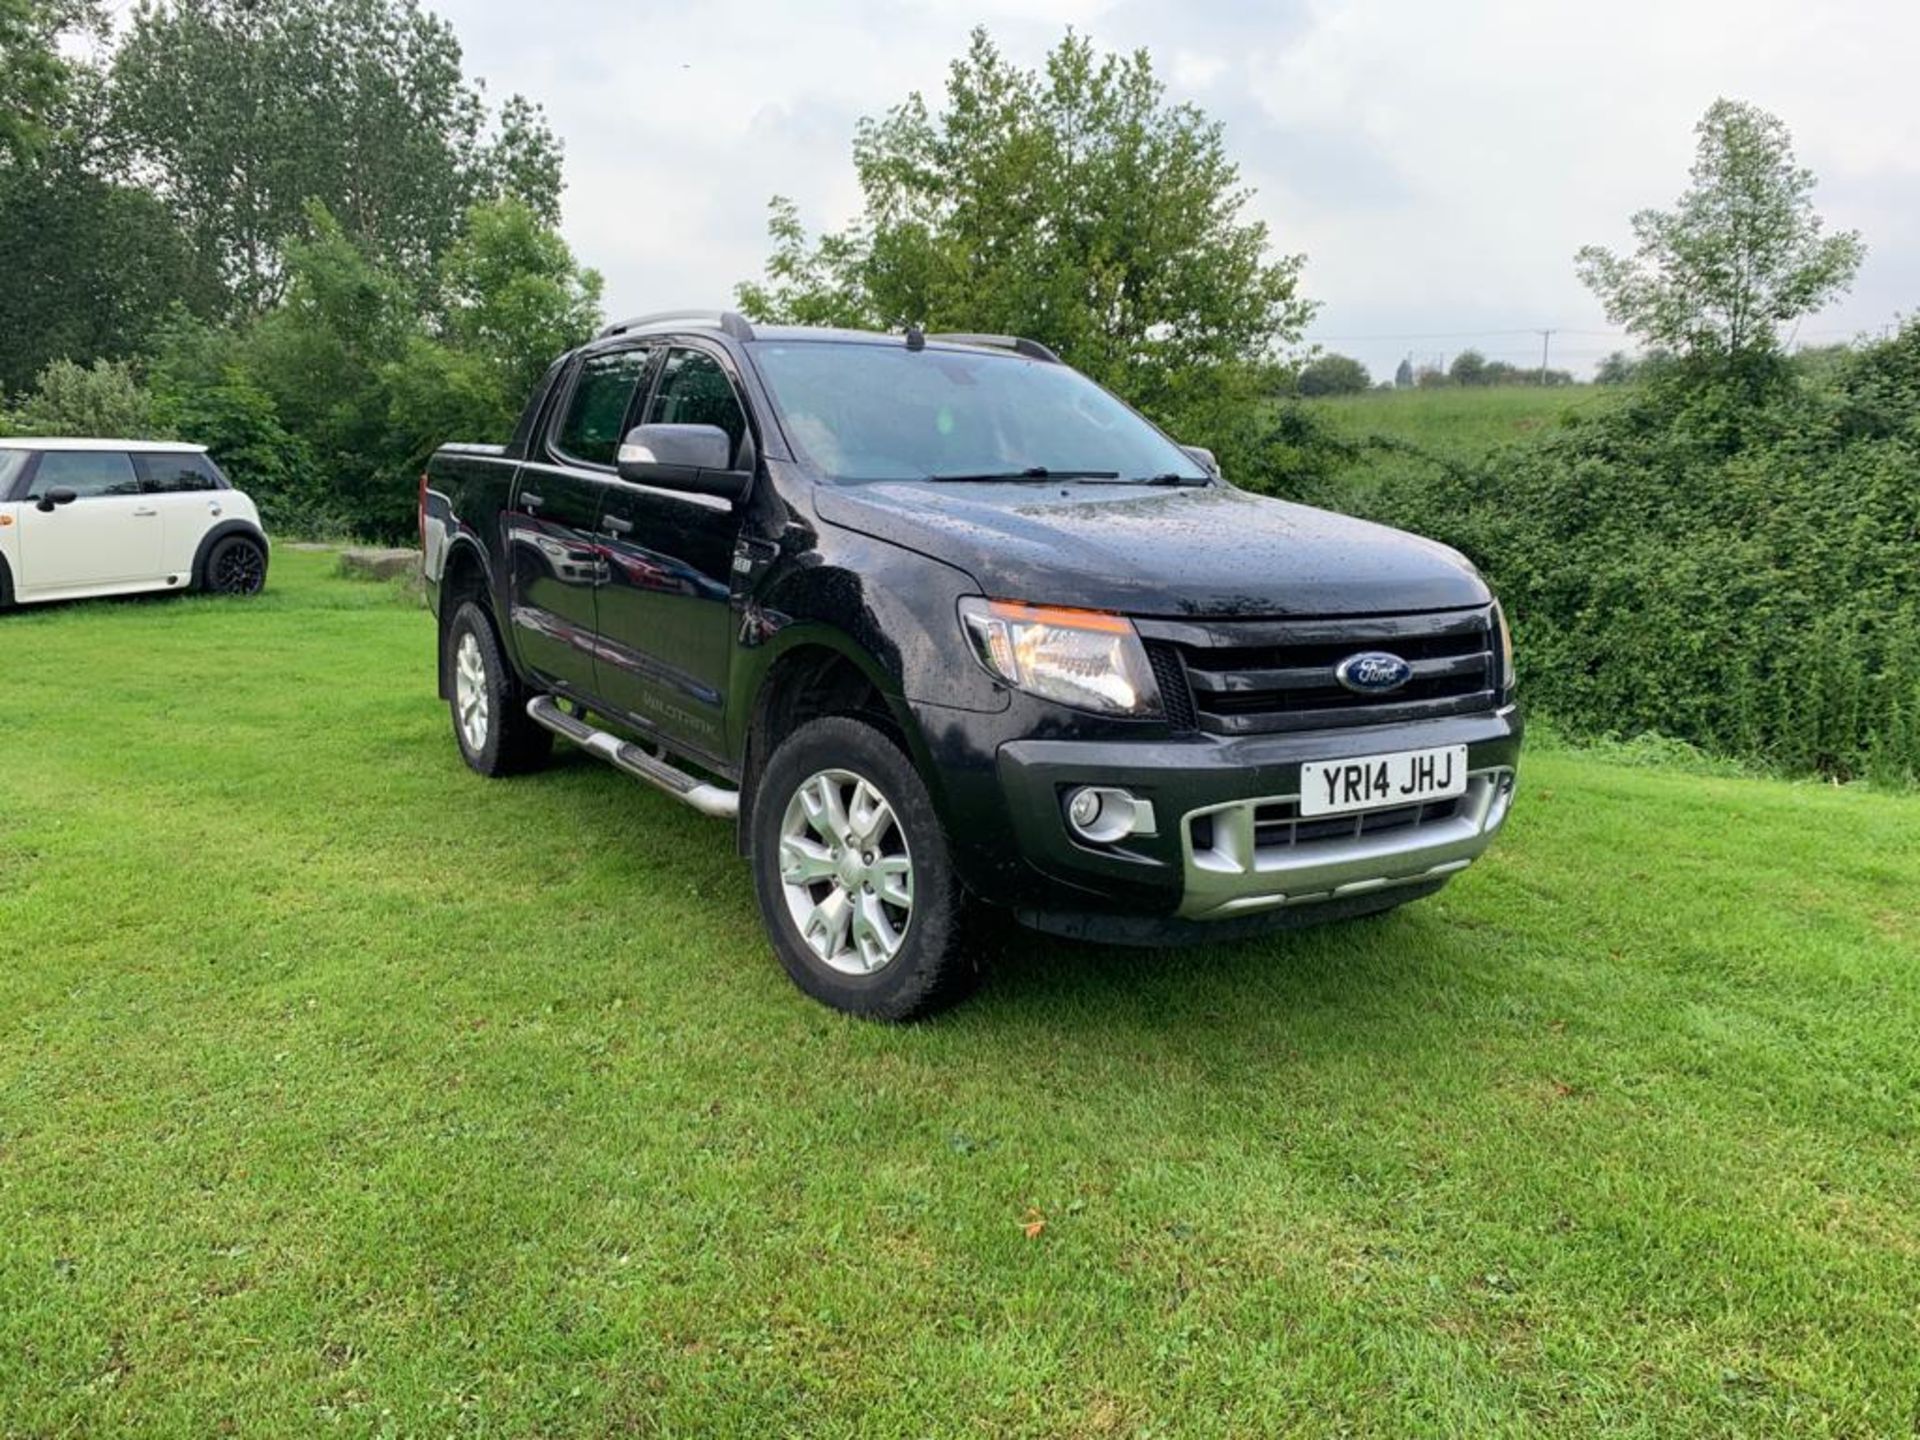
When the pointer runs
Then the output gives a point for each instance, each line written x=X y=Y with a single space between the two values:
x=344 y=1092
x=1462 y=425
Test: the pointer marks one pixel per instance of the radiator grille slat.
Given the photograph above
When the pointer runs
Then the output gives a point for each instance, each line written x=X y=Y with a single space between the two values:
x=1264 y=676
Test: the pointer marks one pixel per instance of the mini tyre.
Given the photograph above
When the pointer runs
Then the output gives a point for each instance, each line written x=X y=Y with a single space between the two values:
x=237 y=565
x=852 y=871
x=490 y=721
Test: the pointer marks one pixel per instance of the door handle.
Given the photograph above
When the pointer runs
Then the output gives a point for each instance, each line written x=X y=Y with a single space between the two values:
x=144 y=511
x=614 y=525
x=531 y=500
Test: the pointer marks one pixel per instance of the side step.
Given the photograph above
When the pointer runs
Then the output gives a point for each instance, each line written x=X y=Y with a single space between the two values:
x=714 y=800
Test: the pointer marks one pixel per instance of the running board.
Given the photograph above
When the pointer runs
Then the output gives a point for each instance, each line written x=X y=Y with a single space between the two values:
x=714 y=800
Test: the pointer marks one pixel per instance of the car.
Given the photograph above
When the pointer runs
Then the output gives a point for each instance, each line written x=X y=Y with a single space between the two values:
x=941 y=626
x=80 y=518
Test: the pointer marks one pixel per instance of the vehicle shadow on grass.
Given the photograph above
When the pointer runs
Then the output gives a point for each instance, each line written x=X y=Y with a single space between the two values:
x=1395 y=963
x=1373 y=956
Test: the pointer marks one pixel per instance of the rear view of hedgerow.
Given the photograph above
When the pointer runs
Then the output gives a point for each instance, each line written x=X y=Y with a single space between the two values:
x=1732 y=554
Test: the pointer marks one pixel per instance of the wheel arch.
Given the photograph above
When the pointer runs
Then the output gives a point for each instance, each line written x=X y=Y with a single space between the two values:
x=225 y=530
x=464 y=575
x=821 y=674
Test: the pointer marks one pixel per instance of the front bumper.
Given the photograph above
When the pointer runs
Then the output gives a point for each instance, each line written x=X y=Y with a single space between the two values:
x=1223 y=857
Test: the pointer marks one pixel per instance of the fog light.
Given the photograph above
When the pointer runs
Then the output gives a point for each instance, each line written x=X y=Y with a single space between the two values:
x=1103 y=814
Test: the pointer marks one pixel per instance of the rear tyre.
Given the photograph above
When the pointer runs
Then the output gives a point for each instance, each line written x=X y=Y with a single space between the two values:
x=236 y=565
x=854 y=877
x=489 y=707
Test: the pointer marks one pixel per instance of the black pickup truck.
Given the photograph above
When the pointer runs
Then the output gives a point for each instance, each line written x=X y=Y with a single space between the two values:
x=937 y=622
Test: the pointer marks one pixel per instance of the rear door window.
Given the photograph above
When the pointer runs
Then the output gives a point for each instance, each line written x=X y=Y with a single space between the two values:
x=591 y=429
x=174 y=474
x=88 y=473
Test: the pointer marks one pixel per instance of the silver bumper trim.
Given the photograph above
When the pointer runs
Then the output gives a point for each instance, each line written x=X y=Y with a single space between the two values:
x=1235 y=874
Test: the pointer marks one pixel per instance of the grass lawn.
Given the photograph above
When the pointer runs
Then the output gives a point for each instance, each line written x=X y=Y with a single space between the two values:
x=1461 y=423
x=1465 y=426
x=343 y=1092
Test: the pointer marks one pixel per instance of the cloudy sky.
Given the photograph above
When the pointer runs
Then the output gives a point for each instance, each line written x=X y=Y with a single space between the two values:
x=1437 y=163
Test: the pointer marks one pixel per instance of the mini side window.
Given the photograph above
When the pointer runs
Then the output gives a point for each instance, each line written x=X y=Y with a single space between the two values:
x=694 y=390
x=174 y=474
x=88 y=473
x=591 y=430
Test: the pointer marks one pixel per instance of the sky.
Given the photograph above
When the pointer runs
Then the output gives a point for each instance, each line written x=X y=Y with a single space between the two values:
x=1437 y=163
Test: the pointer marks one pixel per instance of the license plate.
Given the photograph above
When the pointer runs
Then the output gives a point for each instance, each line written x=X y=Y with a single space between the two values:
x=1368 y=782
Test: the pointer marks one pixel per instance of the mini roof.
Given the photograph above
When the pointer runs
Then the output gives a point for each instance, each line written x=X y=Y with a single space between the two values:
x=68 y=442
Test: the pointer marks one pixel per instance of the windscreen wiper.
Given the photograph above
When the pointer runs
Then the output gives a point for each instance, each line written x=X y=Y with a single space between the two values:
x=1032 y=472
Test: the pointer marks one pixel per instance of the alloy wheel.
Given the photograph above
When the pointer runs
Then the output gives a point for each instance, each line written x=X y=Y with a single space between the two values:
x=846 y=871
x=470 y=692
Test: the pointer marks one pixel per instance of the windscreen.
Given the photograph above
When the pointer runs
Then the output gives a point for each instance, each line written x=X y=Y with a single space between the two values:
x=862 y=412
x=12 y=462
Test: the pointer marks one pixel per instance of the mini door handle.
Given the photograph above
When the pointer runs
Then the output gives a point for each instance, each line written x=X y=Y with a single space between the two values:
x=145 y=511
x=531 y=500
x=614 y=525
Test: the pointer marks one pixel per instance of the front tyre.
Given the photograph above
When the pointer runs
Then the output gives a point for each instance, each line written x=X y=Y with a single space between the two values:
x=236 y=565
x=490 y=720
x=854 y=878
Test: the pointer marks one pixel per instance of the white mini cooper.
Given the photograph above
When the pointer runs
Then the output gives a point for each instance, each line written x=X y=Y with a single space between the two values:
x=110 y=517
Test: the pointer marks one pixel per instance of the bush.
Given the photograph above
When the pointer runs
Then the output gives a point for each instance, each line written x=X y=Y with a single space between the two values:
x=102 y=401
x=1727 y=558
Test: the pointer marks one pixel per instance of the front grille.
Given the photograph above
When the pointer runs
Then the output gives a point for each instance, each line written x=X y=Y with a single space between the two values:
x=1171 y=676
x=1278 y=824
x=1249 y=677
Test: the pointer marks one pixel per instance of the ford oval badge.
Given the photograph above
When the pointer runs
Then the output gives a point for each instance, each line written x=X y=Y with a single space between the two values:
x=1373 y=673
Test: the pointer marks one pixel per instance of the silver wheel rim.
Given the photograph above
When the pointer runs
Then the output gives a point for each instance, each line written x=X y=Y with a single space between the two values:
x=846 y=872
x=470 y=693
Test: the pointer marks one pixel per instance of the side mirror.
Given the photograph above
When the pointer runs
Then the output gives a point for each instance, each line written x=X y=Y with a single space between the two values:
x=59 y=495
x=1202 y=457
x=693 y=458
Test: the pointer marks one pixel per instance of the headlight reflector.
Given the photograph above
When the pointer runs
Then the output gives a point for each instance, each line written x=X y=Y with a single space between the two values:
x=1085 y=658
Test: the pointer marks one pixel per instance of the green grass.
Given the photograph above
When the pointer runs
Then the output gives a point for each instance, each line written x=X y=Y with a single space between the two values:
x=1461 y=423
x=343 y=1092
x=1464 y=426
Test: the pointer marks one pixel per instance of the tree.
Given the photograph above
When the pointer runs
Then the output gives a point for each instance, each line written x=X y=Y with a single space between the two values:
x=1333 y=375
x=34 y=78
x=514 y=297
x=91 y=265
x=1073 y=205
x=1403 y=374
x=1469 y=368
x=1740 y=255
x=1618 y=368
x=239 y=113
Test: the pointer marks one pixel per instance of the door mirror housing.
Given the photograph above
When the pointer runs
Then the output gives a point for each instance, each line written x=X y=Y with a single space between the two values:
x=59 y=495
x=694 y=458
x=1202 y=457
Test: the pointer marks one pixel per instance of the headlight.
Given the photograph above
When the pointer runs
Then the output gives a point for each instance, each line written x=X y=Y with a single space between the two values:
x=1506 y=648
x=1084 y=658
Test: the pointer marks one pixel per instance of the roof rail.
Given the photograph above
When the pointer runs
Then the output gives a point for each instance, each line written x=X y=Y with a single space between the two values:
x=726 y=320
x=1019 y=344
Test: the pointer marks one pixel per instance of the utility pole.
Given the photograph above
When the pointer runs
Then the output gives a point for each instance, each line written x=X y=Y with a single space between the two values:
x=1546 y=341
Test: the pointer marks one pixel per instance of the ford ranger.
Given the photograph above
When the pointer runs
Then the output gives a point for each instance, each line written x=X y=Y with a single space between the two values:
x=937 y=623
